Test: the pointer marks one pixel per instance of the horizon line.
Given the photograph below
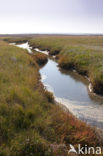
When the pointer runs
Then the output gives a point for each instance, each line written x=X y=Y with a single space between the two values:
x=73 y=34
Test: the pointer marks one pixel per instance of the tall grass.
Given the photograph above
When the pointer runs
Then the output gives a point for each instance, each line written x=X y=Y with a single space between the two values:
x=30 y=123
x=84 y=53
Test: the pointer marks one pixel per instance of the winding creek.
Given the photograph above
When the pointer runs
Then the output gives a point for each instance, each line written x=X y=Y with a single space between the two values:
x=71 y=90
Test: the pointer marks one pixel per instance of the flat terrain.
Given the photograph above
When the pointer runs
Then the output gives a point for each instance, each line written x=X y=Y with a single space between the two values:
x=30 y=122
x=83 y=53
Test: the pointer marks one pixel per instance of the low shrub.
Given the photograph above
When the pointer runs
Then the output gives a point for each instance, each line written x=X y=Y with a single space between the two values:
x=40 y=58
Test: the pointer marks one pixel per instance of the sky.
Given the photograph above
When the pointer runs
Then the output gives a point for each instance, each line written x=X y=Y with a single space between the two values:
x=51 y=16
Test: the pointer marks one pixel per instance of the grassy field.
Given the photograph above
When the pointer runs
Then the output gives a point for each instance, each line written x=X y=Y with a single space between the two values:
x=83 y=53
x=30 y=123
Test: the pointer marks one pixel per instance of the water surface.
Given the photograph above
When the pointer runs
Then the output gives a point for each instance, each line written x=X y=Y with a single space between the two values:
x=71 y=89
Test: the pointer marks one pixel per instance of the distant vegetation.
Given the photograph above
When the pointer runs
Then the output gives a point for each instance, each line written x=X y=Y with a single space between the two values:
x=16 y=40
x=30 y=122
x=83 y=53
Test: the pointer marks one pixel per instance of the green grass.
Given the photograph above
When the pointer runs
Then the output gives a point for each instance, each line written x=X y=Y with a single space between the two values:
x=30 y=122
x=84 y=53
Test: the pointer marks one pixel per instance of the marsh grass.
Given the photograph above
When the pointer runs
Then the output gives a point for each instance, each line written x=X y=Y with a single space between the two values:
x=30 y=122
x=40 y=58
x=16 y=40
x=84 y=53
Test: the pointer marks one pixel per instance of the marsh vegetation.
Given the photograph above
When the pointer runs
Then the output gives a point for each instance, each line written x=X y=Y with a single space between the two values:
x=83 y=53
x=30 y=122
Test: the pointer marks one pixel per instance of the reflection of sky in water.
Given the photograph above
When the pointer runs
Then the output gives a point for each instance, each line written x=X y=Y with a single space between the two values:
x=25 y=46
x=71 y=91
x=64 y=86
x=44 y=52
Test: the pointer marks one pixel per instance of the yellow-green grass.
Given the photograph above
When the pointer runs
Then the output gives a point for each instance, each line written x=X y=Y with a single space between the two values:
x=30 y=123
x=84 y=53
x=16 y=40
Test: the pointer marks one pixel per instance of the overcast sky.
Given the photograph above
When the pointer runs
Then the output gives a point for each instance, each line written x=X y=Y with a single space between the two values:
x=51 y=16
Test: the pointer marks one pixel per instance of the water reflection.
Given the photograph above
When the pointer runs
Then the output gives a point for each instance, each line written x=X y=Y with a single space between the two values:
x=71 y=90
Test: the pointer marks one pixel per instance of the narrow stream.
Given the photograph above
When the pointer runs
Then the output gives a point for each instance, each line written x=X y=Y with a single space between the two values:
x=71 y=90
